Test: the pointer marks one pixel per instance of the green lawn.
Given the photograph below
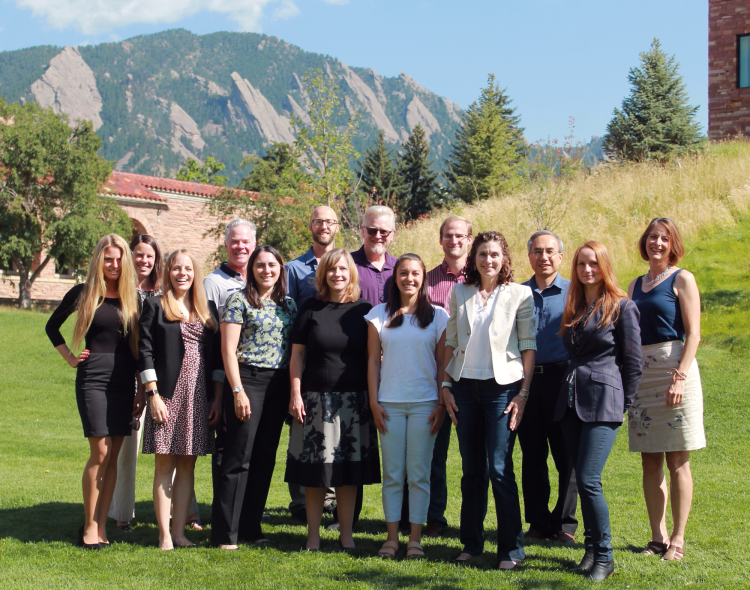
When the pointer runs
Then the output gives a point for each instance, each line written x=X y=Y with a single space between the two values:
x=42 y=453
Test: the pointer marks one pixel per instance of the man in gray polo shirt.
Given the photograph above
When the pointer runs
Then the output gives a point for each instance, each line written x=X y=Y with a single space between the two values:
x=231 y=276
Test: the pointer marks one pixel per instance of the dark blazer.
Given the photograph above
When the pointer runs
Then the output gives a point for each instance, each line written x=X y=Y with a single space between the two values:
x=607 y=367
x=161 y=349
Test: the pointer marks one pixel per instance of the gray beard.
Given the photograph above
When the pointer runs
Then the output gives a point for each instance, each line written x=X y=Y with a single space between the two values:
x=378 y=249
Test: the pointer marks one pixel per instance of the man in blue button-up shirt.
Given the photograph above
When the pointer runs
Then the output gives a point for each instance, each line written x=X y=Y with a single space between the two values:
x=538 y=433
x=300 y=286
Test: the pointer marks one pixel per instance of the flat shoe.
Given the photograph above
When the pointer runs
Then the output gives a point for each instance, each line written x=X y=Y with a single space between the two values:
x=674 y=553
x=125 y=528
x=414 y=550
x=467 y=561
x=506 y=564
x=655 y=548
x=388 y=550
x=195 y=525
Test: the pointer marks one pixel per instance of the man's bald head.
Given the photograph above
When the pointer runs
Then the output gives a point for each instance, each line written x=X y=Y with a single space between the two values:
x=324 y=223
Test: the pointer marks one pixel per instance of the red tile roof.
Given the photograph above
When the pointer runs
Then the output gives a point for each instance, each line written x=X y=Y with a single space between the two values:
x=142 y=187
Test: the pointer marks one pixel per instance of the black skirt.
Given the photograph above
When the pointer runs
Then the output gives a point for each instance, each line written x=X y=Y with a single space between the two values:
x=104 y=394
x=337 y=444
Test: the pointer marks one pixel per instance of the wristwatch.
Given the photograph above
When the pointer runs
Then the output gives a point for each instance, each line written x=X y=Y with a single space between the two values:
x=152 y=393
x=238 y=389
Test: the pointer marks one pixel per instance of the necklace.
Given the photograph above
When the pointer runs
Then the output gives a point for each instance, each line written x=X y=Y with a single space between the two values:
x=659 y=278
x=486 y=297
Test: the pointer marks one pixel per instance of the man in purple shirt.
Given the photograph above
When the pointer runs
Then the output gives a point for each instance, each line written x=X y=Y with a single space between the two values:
x=373 y=262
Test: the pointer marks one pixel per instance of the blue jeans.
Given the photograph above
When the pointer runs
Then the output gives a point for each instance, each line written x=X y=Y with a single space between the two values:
x=484 y=435
x=407 y=451
x=589 y=445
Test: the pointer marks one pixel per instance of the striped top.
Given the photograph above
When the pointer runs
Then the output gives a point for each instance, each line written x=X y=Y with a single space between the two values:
x=440 y=282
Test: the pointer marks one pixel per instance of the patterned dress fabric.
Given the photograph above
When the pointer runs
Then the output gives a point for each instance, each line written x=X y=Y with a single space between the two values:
x=186 y=431
x=653 y=427
x=337 y=444
x=264 y=340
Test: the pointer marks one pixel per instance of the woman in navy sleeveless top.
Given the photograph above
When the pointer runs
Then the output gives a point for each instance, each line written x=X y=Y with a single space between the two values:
x=666 y=417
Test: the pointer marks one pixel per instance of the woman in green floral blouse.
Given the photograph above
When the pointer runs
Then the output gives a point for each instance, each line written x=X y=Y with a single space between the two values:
x=255 y=343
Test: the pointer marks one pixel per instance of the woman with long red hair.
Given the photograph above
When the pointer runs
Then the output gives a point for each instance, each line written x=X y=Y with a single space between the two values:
x=600 y=330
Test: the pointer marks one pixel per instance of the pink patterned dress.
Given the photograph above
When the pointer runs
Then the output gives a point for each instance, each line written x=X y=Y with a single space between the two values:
x=186 y=431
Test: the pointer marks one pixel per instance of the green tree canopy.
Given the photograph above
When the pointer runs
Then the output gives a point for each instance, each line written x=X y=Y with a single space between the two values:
x=489 y=149
x=656 y=121
x=420 y=180
x=380 y=177
x=51 y=177
x=208 y=173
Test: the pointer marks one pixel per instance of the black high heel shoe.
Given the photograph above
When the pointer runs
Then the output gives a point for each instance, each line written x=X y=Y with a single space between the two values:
x=81 y=543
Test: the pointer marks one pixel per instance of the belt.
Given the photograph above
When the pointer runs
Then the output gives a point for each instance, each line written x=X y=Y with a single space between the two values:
x=549 y=366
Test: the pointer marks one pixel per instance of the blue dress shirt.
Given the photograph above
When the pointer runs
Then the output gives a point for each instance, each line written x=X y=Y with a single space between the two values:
x=300 y=278
x=549 y=306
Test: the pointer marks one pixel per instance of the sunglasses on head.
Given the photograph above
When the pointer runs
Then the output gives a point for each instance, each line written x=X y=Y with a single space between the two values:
x=374 y=231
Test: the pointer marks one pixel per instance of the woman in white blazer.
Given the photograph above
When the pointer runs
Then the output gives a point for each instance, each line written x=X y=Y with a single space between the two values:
x=490 y=348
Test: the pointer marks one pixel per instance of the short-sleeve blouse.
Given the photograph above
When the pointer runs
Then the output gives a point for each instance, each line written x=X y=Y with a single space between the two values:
x=265 y=336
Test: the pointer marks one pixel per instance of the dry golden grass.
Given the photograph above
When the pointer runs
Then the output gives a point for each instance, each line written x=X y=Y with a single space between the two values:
x=613 y=205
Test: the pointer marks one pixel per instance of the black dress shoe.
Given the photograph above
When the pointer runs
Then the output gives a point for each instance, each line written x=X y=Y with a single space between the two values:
x=586 y=564
x=81 y=543
x=601 y=571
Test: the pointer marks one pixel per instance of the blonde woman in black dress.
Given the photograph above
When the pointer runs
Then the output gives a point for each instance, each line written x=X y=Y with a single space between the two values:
x=180 y=353
x=107 y=306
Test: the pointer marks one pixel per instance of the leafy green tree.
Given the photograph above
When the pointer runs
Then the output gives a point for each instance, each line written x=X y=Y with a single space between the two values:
x=380 y=178
x=276 y=196
x=206 y=174
x=420 y=180
x=489 y=149
x=656 y=121
x=326 y=140
x=50 y=203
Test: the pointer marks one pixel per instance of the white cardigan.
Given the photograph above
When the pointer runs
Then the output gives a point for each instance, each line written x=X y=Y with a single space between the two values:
x=512 y=330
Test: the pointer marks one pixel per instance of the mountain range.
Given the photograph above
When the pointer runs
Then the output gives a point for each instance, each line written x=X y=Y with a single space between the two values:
x=156 y=100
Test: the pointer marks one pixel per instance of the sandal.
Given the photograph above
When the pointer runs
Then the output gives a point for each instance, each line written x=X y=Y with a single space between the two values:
x=655 y=548
x=388 y=550
x=674 y=553
x=414 y=550
x=125 y=528
x=195 y=525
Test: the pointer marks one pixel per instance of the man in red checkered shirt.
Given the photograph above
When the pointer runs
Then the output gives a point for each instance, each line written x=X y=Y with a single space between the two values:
x=455 y=239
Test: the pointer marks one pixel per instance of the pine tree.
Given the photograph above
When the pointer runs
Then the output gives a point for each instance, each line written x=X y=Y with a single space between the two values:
x=489 y=149
x=419 y=178
x=380 y=177
x=656 y=120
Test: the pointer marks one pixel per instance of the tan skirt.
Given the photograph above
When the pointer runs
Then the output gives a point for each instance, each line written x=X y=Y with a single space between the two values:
x=652 y=426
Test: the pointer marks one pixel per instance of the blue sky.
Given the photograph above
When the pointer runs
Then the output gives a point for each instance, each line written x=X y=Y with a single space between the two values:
x=556 y=59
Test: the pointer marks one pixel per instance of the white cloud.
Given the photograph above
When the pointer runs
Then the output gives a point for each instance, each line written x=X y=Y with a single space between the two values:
x=336 y=1
x=97 y=16
x=288 y=9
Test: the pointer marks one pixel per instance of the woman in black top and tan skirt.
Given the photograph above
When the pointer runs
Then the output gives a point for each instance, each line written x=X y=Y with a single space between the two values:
x=107 y=307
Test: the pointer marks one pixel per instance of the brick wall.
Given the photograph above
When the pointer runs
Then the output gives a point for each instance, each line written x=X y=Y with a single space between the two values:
x=179 y=223
x=728 y=106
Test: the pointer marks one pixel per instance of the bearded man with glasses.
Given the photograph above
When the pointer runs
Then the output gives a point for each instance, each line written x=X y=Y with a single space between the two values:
x=373 y=262
x=538 y=433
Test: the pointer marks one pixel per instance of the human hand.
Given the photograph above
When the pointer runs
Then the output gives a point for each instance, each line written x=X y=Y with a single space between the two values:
x=159 y=413
x=214 y=414
x=676 y=392
x=74 y=361
x=450 y=404
x=297 y=407
x=380 y=416
x=242 y=406
x=516 y=406
x=436 y=417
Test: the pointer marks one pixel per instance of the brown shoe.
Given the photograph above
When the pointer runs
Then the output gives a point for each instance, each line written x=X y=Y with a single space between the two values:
x=532 y=533
x=562 y=537
x=432 y=529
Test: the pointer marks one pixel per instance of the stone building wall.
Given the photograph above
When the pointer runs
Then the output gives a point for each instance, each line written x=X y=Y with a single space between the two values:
x=728 y=105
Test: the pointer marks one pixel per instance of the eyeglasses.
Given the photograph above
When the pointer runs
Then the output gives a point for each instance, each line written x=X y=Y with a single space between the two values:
x=374 y=231
x=459 y=237
x=540 y=253
x=326 y=222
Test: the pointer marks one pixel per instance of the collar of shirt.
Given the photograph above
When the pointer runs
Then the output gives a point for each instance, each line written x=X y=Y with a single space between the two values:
x=228 y=271
x=360 y=259
x=447 y=271
x=308 y=258
x=559 y=282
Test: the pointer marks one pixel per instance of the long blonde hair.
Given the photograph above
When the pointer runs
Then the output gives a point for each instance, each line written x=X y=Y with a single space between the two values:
x=197 y=295
x=95 y=290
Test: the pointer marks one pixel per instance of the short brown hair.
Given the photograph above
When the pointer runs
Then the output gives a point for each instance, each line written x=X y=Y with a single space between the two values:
x=455 y=218
x=676 y=247
x=351 y=292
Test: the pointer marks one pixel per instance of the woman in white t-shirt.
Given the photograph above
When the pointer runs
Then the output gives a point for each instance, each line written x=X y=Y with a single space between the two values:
x=406 y=340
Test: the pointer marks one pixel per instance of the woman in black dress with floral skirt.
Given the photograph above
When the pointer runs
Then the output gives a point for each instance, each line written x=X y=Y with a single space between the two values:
x=333 y=442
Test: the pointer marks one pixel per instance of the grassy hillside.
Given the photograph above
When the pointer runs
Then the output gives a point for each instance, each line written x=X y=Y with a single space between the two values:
x=613 y=205
x=42 y=454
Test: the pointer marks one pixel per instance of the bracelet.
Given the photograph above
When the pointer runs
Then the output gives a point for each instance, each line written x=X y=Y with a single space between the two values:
x=447 y=384
x=523 y=396
x=441 y=405
x=678 y=375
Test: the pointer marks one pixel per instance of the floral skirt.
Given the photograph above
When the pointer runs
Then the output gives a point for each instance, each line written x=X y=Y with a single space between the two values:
x=653 y=427
x=336 y=445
